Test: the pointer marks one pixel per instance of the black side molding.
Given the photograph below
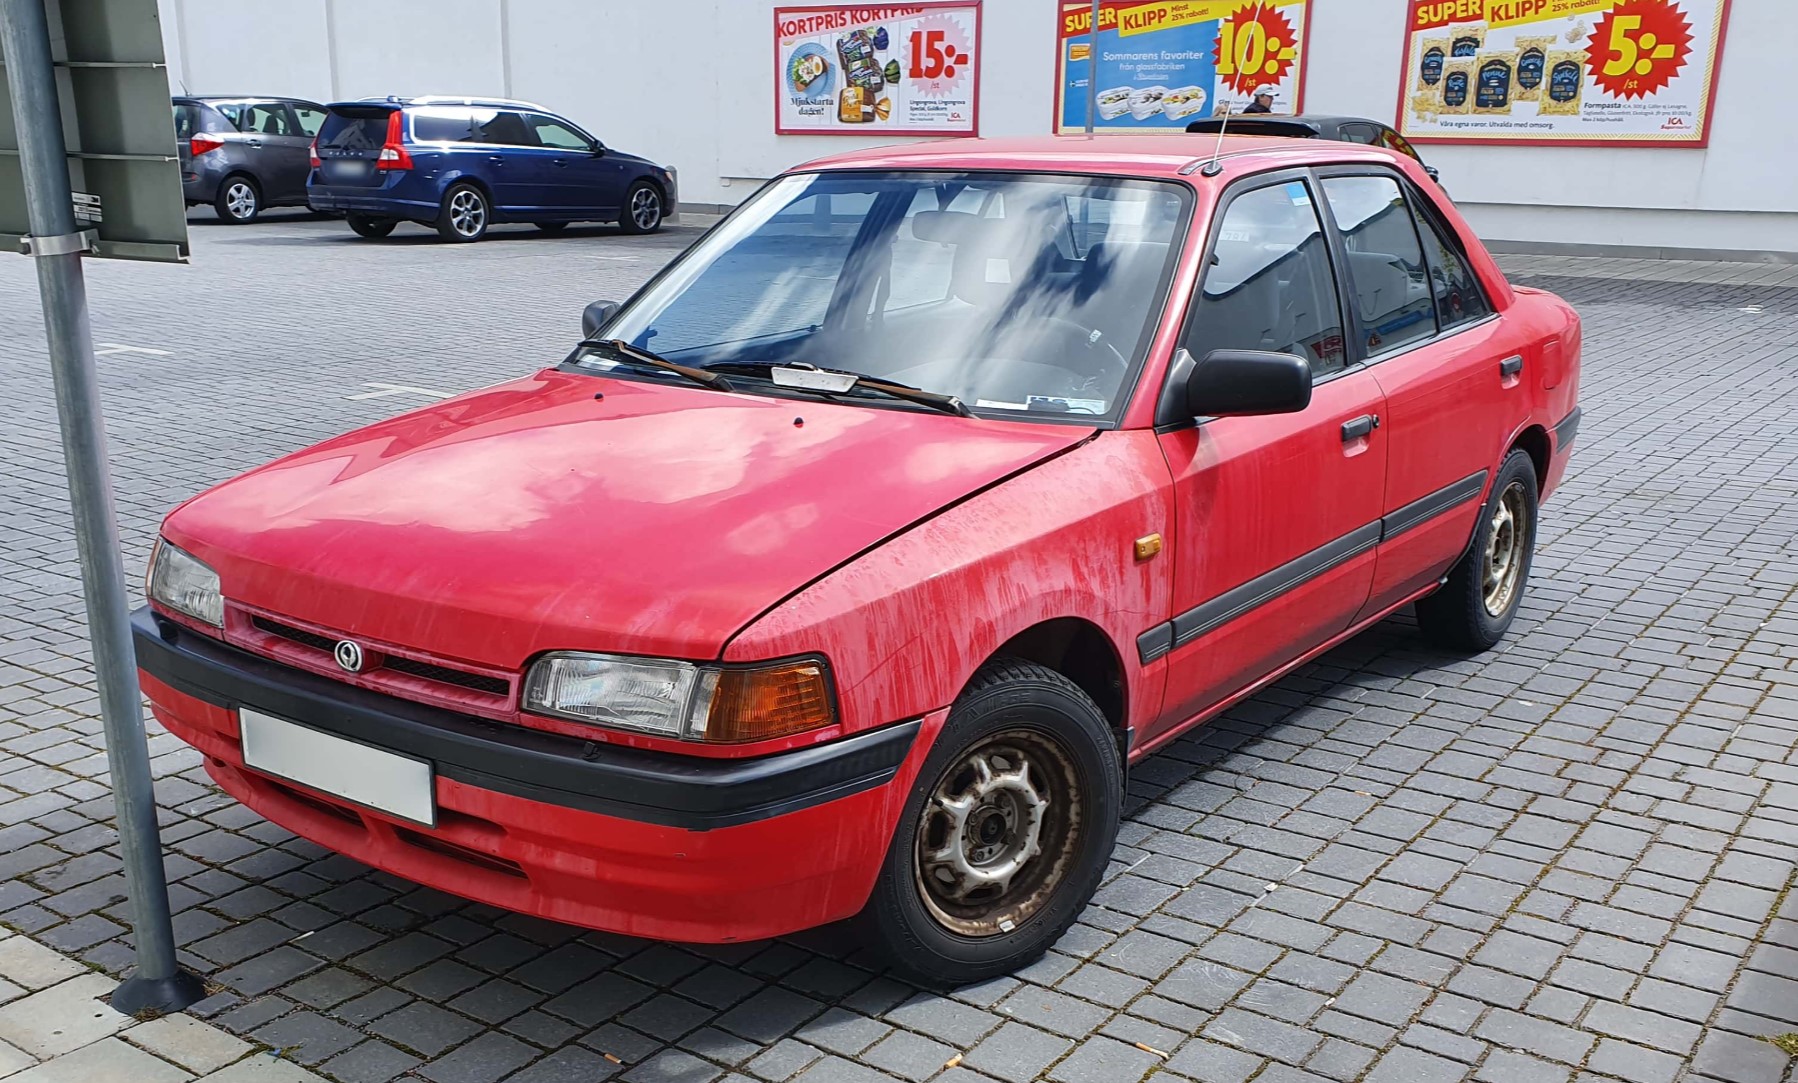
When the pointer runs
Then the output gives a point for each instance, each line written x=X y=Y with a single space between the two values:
x=1566 y=430
x=1424 y=509
x=690 y=792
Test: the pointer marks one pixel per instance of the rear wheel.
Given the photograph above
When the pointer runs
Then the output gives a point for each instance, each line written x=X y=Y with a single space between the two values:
x=238 y=200
x=464 y=214
x=643 y=209
x=1477 y=604
x=1006 y=832
x=371 y=227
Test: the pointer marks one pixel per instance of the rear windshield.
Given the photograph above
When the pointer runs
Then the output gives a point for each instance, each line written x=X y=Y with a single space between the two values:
x=354 y=129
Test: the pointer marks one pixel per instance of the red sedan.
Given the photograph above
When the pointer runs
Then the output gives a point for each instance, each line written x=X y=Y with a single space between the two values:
x=845 y=568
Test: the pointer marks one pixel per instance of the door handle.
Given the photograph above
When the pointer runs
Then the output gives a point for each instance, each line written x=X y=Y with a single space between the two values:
x=496 y=159
x=252 y=142
x=1510 y=366
x=561 y=163
x=1361 y=426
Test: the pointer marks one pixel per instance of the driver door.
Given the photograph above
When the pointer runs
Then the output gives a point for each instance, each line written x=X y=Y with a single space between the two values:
x=1277 y=517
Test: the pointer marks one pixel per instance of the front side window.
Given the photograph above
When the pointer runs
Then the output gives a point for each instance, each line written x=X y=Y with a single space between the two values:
x=259 y=118
x=1360 y=133
x=1459 y=298
x=1385 y=261
x=555 y=134
x=1021 y=295
x=1270 y=285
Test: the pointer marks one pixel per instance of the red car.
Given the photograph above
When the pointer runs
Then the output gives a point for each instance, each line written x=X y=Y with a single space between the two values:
x=846 y=568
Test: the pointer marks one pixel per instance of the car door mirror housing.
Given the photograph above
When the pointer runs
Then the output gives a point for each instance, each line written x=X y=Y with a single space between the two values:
x=1240 y=383
x=596 y=316
x=598 y=150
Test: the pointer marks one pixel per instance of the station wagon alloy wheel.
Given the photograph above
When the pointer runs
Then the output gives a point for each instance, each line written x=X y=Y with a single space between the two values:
x=1506 y=537
x=468 y=213
x=997 y=833
x=646 y=208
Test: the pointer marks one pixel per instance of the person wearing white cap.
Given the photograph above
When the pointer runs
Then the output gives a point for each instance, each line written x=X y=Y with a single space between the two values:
x=1264 y=99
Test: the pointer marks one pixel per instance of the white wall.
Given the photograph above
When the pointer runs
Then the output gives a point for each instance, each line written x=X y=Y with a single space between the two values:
x=689 y=83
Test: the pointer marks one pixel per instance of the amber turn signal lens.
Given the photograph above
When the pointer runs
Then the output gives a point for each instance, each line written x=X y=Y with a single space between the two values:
x=756 y=704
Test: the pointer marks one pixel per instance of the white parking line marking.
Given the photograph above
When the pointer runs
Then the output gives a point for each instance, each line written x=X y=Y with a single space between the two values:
x=384 y=390
x=119 y=347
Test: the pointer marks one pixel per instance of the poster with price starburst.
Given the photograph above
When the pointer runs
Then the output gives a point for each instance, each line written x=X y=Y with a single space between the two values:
x=894 y=69
x=1562 y=72
x=1161 y=64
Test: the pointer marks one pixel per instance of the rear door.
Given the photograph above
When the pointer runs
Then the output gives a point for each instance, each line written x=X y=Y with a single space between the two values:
x=349 y=143
x=1277 y=516
x=1429 y=338
x=520 y=173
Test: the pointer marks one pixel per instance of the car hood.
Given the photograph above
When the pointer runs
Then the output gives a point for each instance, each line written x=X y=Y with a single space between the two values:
x=538 y=516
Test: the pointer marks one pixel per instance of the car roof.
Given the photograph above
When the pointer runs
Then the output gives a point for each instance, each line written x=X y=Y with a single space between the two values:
x=1172 y=155
x=213 y=99
x=445 y=99
x=1313 y=121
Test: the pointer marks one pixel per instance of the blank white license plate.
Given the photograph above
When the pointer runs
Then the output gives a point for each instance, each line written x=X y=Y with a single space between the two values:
x=321 y=761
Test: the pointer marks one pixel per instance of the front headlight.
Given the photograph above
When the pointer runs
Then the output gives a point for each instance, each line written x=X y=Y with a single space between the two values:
x=678 y=699
x=179 y=581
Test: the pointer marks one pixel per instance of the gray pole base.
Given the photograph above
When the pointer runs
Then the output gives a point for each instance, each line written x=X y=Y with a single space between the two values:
x=158 y=995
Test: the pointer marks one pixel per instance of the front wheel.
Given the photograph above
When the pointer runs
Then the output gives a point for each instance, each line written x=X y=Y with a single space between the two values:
x=643 y=209
x=1477 y=604
x=464 y=215
x=371 y=227
x=1006 y=832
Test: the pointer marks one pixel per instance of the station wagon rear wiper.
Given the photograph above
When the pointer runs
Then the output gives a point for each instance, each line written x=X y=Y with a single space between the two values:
x=806 y=377
x=640 y=356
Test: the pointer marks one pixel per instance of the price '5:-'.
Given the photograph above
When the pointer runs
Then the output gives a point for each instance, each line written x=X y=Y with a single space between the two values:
x=1639 y=46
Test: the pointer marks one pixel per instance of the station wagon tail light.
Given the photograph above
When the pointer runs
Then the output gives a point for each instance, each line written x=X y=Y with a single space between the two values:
x=204 y=144
x=717 y=704
x=393 y=155
x=312 y=154
x=180 y=581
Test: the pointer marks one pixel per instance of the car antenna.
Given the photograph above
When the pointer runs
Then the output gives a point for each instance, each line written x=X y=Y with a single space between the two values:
x=1214 y=167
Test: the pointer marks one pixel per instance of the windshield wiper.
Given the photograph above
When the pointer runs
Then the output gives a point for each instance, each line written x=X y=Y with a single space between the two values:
x=638 y=355
x=798 y=377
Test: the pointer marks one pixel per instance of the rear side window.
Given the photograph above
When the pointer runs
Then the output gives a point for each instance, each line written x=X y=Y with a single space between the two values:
x=1270 y=285
x=442 y=125
x=260 y=118
x=1459 y=298
x=310 y=118
x=354 y=129
x=505 y=128
x=1385 y=261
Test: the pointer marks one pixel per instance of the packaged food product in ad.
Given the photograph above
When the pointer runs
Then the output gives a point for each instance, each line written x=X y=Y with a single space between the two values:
x=1495 y=76
x=860 y=66
x=1466 y=39
x=1426 y=103
x=1146 y=102
x=1115 y=102
x=1565 y=83
x=1532 y=66
x=855 y=105
x=1429 y=68
x=1457 y=85
x=1183 y=101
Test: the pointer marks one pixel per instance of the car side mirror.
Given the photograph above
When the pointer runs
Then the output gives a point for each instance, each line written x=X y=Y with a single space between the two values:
x=1240 y=383
x=595 y=318
x=1435 y=174
x=598 y=150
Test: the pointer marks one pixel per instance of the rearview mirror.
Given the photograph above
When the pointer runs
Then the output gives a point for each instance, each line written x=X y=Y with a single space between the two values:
x=596 y=316
x=1240 y=383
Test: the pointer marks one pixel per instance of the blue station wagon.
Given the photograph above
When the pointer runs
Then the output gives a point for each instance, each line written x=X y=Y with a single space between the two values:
x=463 y=164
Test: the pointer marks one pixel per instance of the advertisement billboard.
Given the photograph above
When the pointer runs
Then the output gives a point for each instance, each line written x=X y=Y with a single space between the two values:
x=1567 y=72
x=1161 y=64
x=901 y=69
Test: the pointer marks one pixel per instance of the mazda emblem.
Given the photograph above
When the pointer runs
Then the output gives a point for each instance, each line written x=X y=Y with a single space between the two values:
x=349 y=655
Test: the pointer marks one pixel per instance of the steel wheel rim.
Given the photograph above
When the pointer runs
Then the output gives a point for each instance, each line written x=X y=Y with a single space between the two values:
x=240 y=200
x=1000 y=829
x=467 y=213
x=1507 y=538
x=646 y=208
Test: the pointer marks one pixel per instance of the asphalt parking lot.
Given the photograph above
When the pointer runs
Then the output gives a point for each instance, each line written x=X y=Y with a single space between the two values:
x=1570 y=858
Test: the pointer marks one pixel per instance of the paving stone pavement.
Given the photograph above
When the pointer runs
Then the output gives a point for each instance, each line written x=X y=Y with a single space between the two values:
x=1570 y=858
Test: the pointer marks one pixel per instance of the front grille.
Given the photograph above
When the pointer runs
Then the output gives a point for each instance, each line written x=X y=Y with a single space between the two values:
x=429 y=671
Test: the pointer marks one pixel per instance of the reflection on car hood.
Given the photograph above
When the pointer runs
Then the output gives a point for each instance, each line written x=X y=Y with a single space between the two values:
x=531 y=516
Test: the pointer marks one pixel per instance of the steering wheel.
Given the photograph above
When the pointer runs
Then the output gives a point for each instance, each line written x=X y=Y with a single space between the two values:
x=1095 y=344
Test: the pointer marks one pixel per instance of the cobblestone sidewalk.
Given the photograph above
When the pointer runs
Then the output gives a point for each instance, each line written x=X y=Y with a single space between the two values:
x=1566 y=859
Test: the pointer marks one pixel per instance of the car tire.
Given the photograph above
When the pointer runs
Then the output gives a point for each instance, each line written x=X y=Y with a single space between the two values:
x=465 y=215
x=1476 y=605
x=239 y=201
x=1042 y=814
x=643 y=209
x=551 y=227
x=371 y=227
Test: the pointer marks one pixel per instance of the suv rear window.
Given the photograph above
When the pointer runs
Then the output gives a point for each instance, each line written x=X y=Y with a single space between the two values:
x=355 y=129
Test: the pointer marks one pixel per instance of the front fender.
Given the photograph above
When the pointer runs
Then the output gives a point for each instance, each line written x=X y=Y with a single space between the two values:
x=907 y=624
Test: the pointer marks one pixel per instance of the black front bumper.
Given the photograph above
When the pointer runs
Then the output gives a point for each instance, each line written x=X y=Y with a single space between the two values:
x=689 y=792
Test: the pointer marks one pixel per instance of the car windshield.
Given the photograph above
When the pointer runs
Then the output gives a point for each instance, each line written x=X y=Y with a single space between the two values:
x=1022 y=295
